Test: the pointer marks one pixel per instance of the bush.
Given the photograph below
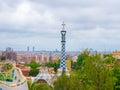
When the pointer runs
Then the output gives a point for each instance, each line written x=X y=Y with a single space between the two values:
x=33 y=72
x=9 y=80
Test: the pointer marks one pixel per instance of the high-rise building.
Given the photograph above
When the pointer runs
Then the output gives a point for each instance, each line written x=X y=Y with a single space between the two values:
x=33 y=48
x=28 y=48
x=10 y=54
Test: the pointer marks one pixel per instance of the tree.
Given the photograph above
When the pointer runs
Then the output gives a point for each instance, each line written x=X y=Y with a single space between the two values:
x=33 y=64
x=33 y=72
x=55 y=65
x=38 y=86
x=116 y=76
x=31 y=86
x=62 y=83
x=85 y=54
x=7 y=66
x=109 y=59
x=91 y=73
x=1 y=77
x=68 y=83
x=34 y=68
x=2 y=58
x=43 y=86
x=96 y=75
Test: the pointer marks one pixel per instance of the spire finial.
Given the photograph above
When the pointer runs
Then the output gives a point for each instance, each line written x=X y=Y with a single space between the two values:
x=63 y=25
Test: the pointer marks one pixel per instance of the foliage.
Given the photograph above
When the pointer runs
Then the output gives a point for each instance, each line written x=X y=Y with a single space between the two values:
x=38 y=86
x=1 y=76
x=116 y=75
x=90 y=72
x=7 y=66
x=67 y=83
x=53 y=64
x=2 y=58
x=33 y=72
x=62 y=83
x=96 y=75
x=34 y=68
x=73 y=64
x=109 y=59
x=43 y=86
x=31 y=86
x=49 y=64
x=33 y=64
x=6 y=76
x=85 y=54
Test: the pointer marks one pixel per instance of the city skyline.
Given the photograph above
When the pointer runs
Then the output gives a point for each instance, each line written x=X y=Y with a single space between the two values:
x=89 y=24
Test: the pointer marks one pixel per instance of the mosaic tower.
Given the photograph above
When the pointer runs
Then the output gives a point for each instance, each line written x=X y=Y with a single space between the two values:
x=63 y=41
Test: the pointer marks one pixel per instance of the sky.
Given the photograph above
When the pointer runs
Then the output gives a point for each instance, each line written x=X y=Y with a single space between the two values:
x=89 y=24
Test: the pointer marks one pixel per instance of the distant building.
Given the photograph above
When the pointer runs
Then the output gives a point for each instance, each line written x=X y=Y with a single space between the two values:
x=74 y=58
x=26 y=57
x=31 y=56
x=33 y=49
x=68 y=64
x=10 y=54
x=0 y=53
x=9 y=49
x=116 y=55
x=25 y=70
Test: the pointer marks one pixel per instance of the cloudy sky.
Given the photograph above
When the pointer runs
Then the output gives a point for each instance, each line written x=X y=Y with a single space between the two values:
x=89 y=24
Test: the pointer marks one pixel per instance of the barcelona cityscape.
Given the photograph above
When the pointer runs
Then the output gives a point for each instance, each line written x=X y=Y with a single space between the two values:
x=59 y=45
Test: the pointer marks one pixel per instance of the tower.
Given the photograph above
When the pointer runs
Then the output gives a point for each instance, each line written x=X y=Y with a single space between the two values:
x=27 y=54
x=63 y=41
x=33 y=48
x=28 y=49
x=63 y=57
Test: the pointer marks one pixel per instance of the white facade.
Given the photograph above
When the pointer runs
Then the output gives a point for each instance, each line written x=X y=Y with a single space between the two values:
x=44 y=75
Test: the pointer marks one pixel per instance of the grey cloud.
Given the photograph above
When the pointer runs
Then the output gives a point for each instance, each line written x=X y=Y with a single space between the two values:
x=41 y=19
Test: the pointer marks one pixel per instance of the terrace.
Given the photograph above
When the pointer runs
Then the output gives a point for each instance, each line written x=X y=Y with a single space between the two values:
x=11 y=76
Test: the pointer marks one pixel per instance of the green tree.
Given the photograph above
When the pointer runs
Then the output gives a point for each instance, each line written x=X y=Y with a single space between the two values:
x=34 y=68
x=73 y=65
x=68 y=83
x=1 y=77
x=55 y=65
x=38 y=86
x=116 y=75
x=62 y=83
x=96 y=75
x=109 y=59
x=7 y=66
x=33 y=64
x=31 y=86
x=2 y=58
x=34 y=72
x=43 y=86
x=85 y=54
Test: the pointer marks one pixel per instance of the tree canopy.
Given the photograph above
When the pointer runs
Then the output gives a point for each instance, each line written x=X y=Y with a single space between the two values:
x=90 y=72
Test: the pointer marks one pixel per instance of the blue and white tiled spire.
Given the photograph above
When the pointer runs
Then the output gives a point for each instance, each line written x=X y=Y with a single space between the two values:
x=63 y=57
